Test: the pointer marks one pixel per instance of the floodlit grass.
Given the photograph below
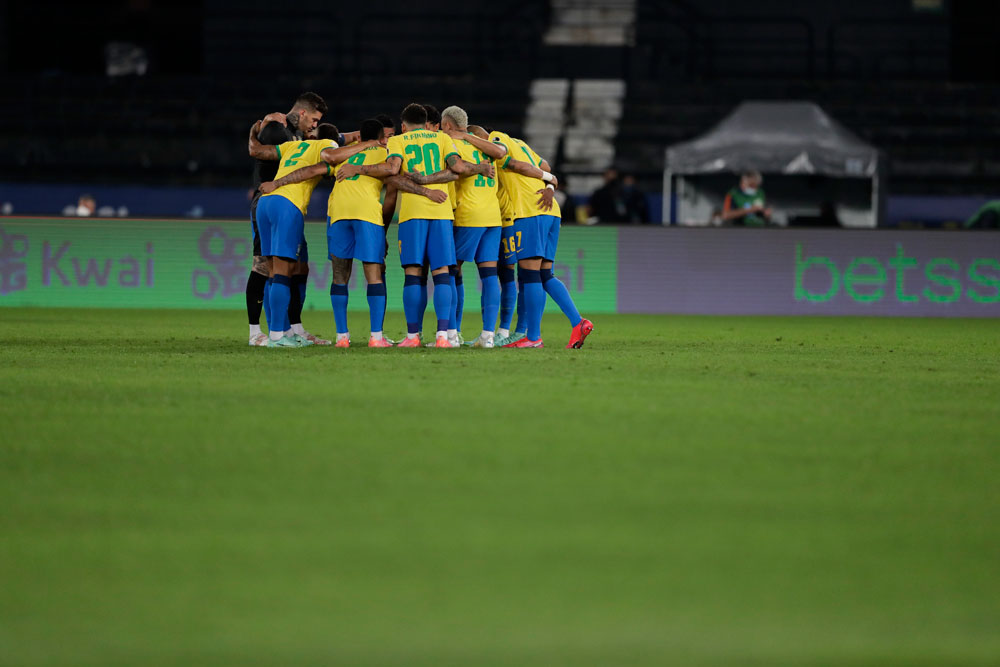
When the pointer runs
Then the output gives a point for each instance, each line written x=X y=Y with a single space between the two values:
x=683 y=491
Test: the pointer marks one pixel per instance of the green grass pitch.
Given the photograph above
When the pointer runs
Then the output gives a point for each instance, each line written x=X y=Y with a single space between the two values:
x=683 y=491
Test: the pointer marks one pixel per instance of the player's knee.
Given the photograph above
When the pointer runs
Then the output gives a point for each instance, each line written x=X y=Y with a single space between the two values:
x=261 y=266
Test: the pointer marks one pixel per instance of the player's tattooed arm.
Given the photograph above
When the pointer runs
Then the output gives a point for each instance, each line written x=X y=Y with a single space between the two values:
x=492 y=149
x=335 y=156
x=443 y=176
x=404 y=184
x=382 y=170
x=530 y=170
x=297 y=176
x=258 y=150
x=463 y=168
x=351 y=137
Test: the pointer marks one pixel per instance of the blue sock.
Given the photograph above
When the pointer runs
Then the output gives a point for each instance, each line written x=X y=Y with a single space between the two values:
x=376 y=305
x=522 y=318
x=453 y=310
x=460 y=287
x=381 y=324
x=412 y=286
x=508 y=296
x=557 y=290
x=281 y=294
x=534 y=302
x=491 y=296
x=423 y=300
x=300 y=282
x=338 y=299
x=444 y=299
x=267 y=304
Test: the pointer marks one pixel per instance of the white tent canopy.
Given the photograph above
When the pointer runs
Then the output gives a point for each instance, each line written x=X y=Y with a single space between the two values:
x=789 y=139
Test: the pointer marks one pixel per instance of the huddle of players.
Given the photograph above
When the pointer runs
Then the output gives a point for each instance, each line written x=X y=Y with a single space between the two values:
x=452 y=210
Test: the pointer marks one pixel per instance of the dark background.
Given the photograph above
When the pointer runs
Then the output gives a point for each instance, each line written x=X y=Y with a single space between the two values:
x=919 y=81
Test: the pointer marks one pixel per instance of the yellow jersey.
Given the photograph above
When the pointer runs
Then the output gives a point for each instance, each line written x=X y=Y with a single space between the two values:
x=423 y=152
x=523 y=190
x=504 y=181
x=293 y=155
x=476 y=196
x=357 y=197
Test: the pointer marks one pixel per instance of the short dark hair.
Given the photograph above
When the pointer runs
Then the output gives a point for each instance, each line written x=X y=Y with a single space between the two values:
x=327 y=131
x=433 y=115
x=385 y=119
x=371 y=129
x=414 y=114
x=312 y=101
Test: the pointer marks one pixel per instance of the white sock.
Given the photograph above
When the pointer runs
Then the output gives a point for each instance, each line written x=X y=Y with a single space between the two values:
x=288 y=333
x=442 y=333
x=299 y=329
x=342 y=336
x=275 y=335
x=254 y=330
x=487 y=336
x=409 y=335
x=503 y=333
x=452 y=333
x=377 y=335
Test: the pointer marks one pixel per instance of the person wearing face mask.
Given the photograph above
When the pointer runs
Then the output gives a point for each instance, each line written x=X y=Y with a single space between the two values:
x=746 y=205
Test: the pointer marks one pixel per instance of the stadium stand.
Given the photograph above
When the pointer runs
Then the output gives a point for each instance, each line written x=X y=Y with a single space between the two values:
x=681 y=66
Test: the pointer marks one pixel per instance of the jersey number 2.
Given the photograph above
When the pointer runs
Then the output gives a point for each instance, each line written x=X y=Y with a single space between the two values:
x=294 y=158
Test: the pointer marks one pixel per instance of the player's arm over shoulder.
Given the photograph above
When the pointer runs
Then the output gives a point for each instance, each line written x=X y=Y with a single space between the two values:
x=492 y=149
x=334 y=154
x=263 y=142
x=530 y=170
x=453 y=160
x=297 y=176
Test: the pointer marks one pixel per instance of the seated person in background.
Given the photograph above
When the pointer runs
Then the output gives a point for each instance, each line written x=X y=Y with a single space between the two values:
x=85 y=206
x=636 y=207
x=606 y=203
x=746 y=205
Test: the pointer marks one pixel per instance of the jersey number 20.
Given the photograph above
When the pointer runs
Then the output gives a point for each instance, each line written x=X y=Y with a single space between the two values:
x=429 y=157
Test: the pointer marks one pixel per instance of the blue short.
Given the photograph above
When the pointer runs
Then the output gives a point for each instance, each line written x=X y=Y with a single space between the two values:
x=356 y=239
x=552 y=225
x=426 y=239
x=532 y=237
x=281 y=228
x=478 y=244
x=508 y=249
